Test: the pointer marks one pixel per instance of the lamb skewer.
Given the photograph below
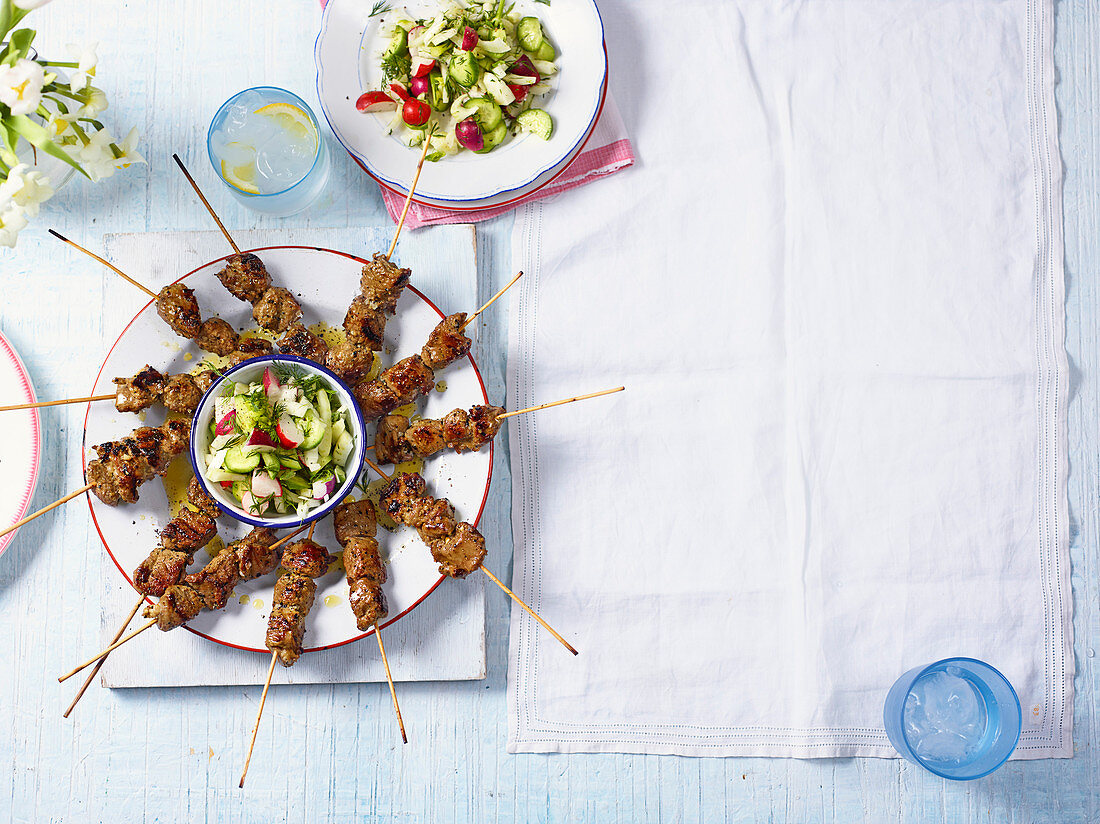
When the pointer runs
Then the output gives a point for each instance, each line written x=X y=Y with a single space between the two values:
x=456 y=546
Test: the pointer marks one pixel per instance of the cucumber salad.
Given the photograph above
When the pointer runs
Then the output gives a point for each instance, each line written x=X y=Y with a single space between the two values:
x=281 y=444
x=464 y=78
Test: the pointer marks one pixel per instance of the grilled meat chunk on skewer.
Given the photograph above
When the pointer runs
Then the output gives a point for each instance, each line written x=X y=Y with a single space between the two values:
x=189 y=530
x=351 y=359
x=446 y=343
x=303 y=343
x=276 y=310
x=204 y=379
x=217 y=336
x=160 y=570
x=249 y=348
x=245 y=276
x=397 y=440
x=355 y=524
x=140 y=391
x=412 y=377
x=197 y=497
x=181 y=393
x=457 y=547
x=251 y=557
x=294 y=594
x=364 y=323
x=178 y=393
x=402 y=383
x=382 y=283
x=178 y=308
x=125 y=464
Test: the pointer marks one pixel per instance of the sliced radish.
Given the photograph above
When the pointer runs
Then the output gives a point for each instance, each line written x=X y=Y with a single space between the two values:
x=469 y=39
x=468 y=134
x=248 y=503
x=416 y=33
x=525 y=67
x=225 y=425
x=322 y=489
x=264 y=486
x=260 y=438
x=373 y=102
x=271 y=383
x=400 y=91
x=290 y=435
x=422 y=65
x=519 y=91
x=420 y=85
x=226 y=484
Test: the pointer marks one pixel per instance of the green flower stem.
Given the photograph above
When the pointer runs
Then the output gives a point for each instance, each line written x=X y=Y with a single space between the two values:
x=59 y=63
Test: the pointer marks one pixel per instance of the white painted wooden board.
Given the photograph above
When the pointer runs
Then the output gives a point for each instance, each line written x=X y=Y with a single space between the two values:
x=444 y=637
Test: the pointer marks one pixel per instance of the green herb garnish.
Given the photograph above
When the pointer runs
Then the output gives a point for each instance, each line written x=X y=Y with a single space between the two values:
x=381 y=7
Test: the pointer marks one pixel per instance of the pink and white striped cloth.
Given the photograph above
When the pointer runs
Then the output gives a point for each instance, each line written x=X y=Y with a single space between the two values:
x=608 y=150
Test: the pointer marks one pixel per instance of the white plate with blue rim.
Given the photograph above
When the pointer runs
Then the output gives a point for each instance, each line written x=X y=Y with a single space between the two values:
x=347 y=57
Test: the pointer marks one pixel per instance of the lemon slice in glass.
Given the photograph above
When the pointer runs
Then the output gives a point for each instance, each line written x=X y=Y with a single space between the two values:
x=293 y=120
x=242 y=177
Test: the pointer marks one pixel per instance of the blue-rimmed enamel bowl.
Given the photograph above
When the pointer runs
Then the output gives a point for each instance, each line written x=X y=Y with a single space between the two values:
x=346 y=54
x=252 y=371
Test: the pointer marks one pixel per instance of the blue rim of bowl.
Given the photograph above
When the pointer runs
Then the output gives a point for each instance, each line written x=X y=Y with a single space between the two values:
x=341 y=491
x=305 y=108
x=595 y=112
x=1019 y=712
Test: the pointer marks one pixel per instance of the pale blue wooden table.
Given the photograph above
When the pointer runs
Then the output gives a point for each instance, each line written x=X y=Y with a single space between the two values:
x=174 y=755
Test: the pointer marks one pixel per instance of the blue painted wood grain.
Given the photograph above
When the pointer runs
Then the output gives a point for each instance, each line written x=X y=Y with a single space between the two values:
x=174 y=755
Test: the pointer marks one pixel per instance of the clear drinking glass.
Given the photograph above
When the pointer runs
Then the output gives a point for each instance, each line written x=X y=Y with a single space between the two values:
x=266 y=146
x=958 y=718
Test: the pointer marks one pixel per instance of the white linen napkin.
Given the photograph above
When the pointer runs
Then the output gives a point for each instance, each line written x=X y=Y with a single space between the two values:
x=833 y=287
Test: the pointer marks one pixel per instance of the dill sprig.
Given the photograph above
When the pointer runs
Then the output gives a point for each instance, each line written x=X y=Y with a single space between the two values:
x=380 y=7
x=395 y=67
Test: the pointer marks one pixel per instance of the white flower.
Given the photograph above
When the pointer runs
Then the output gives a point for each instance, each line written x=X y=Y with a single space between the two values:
x=25 y=189
x=129 y=155
x=27 y=5
x=12 y=222
x=87 y=60
x=21 y=86
x=96 y=157
x=95 y=103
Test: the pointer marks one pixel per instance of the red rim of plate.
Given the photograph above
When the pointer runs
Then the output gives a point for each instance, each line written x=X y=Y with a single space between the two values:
x=84 y=458
x=28 y=397
x=517 y=198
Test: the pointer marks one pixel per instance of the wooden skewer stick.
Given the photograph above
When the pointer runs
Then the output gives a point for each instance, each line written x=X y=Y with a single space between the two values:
x=103 y=660
x=142 y=629
x=46 y=509
x=491 y=300
x=109 y=265
x=259 y=714
x=205 y=202
x=41 y=404
x=559 y=403
x=533 y=614
x=409 y=197
x=389 y=678
x=497 y=581
x=109 y=650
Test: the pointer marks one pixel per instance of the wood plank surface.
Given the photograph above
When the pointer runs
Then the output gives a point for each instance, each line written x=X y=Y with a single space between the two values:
x=331 y=755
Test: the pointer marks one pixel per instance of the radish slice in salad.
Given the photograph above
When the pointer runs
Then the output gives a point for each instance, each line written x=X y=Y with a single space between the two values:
x=420 y=85
x=322 y=489
x=264 y=486
x=271 y=383
x=468 y=133
x=375 y=102
x=225 y=425
x=469 y=39
x=290 y=435
x=260 y=438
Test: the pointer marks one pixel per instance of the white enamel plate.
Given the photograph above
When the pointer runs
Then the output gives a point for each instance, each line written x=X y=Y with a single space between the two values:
x=346 y=54
x=325 y=282
x=20 y=446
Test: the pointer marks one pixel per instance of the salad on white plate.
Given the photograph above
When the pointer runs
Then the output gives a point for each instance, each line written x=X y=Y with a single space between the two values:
x=464 y=78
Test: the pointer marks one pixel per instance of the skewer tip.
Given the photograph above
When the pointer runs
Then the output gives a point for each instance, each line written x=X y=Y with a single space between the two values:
x=58 y=235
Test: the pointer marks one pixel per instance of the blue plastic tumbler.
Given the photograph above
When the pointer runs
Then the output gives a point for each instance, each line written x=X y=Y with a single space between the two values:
x=958 y=718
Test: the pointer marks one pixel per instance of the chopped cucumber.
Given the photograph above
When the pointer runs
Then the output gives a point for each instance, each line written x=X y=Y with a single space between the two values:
x=546 y=51
x=313 y=430
x=438 y=97
x=237 y=460
x=529 y=33
x=342 y=449
x=488 y=114
x=324 y=408
x=464 y=69
x=271 y=461
x=399 y=44
x=493 y=138
x=537 y=122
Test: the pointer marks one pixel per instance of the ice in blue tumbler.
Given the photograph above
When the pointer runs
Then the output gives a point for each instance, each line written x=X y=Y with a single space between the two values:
x=958 y=718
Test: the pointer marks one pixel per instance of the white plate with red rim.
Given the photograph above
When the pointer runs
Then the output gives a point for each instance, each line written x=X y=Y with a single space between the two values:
x=325 y=281
x=346 y=55
x=21 y=446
